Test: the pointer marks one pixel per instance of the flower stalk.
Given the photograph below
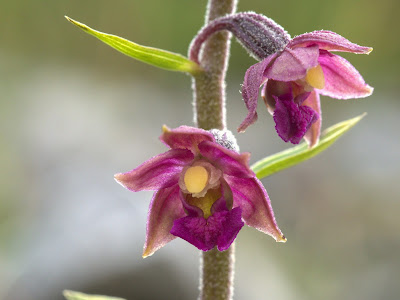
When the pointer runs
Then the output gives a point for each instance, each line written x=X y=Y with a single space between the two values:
x=209 y=112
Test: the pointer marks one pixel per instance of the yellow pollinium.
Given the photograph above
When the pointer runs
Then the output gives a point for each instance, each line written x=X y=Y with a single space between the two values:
x=196 y=179
x=315 y=77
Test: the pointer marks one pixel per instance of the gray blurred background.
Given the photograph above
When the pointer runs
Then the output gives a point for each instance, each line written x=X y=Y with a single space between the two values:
x=74 y=112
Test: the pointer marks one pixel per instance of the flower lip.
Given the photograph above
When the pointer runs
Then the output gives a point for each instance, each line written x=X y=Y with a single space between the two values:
x=219 y=228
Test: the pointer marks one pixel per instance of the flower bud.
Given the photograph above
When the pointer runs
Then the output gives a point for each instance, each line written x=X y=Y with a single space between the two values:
x=226 y=139
x=259 y=35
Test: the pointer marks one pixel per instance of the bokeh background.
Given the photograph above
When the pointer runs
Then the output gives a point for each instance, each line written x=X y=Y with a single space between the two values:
x=73 y=112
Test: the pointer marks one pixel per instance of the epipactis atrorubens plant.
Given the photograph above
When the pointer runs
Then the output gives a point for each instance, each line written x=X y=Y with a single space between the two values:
x=205 y=190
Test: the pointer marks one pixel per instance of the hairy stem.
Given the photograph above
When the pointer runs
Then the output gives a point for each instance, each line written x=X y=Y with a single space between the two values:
x=217 y=268
x=216 y=282
x=209 y=86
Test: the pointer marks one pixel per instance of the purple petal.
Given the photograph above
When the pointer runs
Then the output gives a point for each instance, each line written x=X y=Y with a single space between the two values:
x=220 y=229
x=327 y=40
x=292 y=121
x=158 y=172
x=342 y=80
x=228 y=161
x=185 y=137
x=228 y=223
x=252 y=82
x=312 y=134
x=192 y=230
x=165 y=208
x=292 y=64
x=251 y=196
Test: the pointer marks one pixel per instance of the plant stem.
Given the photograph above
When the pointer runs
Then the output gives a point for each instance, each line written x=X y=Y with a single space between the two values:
x=209 y=86
x=217 y=271
x=216 y=278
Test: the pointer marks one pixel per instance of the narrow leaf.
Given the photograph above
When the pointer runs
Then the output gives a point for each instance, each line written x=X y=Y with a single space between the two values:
x=153 y=56
x=71 y=295
x=290 y=157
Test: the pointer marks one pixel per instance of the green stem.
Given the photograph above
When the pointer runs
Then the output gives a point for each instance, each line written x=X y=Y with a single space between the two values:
x=217 y=268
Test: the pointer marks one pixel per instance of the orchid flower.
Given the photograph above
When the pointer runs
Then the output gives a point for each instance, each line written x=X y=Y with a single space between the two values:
x=205 y=190
x=294 y=78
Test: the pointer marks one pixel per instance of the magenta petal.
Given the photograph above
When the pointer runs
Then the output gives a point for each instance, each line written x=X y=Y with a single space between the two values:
x=165 y=207
x=327 y=40
x=158 y=172
x=292 y=121
x=342 y=80
x=220 y=229
x=313 y=133
x=228 y=161
x=192 y=230
x=292 y=64
x=251 y=196
x=252 y=82
x=229 y=224
x=185 y=137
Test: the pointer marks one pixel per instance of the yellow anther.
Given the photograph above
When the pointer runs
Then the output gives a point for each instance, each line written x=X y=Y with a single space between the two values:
x=315 y=77
x=196 y=179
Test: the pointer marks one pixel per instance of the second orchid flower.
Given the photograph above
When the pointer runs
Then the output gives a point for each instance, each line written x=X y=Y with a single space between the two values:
x=293 y=72
x=294 y=78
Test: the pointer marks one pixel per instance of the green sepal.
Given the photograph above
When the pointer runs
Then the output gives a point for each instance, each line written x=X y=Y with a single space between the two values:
x=71 y=295
x=293 y=156
x=153 y=56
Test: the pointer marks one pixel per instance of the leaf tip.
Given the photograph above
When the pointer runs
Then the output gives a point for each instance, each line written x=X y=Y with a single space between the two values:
x=78 y=24
x=67 y=293
x=357 y=119
x=363 y=115
x=69 y=19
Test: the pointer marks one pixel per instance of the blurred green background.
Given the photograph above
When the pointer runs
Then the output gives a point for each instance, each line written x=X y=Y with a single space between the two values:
x=74 y=112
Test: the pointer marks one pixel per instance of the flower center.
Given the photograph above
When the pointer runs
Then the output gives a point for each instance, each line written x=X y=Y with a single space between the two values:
x=196 y=179
x=315 y=77
x=205 y=203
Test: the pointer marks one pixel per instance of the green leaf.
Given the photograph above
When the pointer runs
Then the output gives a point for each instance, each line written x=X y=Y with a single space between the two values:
x=153 y=56
x=71 y=295
x=290 y=157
